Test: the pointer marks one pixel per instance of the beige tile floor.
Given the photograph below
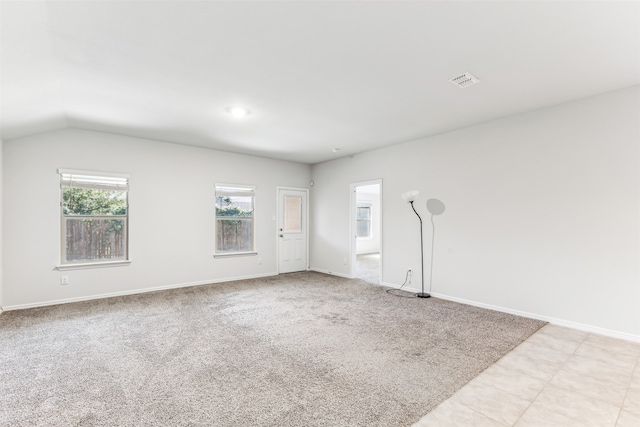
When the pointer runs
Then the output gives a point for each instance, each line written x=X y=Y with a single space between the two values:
x=558 y=377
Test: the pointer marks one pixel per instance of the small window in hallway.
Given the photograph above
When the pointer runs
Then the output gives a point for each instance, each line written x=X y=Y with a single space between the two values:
x=363 y=221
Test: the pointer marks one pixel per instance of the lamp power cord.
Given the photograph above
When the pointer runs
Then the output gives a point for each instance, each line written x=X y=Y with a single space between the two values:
x=406 y=280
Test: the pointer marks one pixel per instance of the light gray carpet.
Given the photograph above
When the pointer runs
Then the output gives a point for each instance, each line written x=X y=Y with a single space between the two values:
x=302 y=349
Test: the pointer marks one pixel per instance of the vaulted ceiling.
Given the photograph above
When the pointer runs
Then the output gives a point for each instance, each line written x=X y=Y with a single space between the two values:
x=316 y=76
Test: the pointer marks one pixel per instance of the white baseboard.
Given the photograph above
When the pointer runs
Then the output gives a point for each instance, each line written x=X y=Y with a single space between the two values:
x=552 y=320
x=133 y=292
x=333 y=273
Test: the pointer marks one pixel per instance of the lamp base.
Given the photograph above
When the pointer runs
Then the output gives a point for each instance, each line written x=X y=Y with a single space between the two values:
x=423 y=295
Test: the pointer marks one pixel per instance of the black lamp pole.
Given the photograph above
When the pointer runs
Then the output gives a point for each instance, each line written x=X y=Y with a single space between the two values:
x=421 y=294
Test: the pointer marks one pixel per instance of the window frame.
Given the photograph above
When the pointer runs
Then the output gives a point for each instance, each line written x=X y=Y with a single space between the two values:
x=76 y=265
x=242 y=190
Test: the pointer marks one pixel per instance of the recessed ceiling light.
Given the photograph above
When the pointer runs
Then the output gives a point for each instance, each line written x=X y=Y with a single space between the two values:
x=238 y=112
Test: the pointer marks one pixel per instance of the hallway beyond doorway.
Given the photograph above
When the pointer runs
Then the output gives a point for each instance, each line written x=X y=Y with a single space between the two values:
x=368 y=267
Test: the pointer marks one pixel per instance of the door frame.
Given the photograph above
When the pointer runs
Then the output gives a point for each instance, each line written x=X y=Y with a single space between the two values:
x=353 y=225
x=277 y=222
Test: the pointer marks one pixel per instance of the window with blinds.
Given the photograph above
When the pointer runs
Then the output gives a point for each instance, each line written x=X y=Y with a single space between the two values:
x=94 y=217
x=363 y=221
x=234 y=219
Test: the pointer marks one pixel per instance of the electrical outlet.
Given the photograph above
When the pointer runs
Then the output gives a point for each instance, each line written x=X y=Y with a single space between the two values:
x=410 y=272
x=344 y=261
x=259 y=261
x=64 y=280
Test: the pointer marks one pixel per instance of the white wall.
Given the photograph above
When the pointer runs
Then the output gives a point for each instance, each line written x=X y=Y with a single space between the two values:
x=1 y=215
x=543 y=212
x=372 y=244
x=171 y=213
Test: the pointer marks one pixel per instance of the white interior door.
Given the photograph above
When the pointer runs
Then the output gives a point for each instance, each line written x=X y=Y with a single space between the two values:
x=292 y=230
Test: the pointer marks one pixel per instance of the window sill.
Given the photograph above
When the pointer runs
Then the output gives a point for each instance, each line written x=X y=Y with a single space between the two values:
x=235 y=254
x=92 y=265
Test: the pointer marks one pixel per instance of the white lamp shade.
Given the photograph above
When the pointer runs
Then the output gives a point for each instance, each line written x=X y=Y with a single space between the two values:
x=435 y=206
x=410 y=196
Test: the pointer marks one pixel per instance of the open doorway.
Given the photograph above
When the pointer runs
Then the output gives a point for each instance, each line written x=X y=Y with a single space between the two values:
x=366 y=228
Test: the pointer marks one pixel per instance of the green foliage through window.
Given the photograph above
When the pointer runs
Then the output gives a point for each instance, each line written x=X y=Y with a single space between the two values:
x=90 y=202
x=230 y=206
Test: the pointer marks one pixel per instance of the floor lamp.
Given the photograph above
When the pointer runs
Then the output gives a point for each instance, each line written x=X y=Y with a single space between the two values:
x=410 y=197
x=435 y=207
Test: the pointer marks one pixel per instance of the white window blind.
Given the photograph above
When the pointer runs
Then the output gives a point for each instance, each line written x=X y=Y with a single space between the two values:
x=228 y=191
x=93 y=180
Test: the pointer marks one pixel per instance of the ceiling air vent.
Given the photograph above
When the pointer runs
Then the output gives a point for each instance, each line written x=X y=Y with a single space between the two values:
x=464 y=80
